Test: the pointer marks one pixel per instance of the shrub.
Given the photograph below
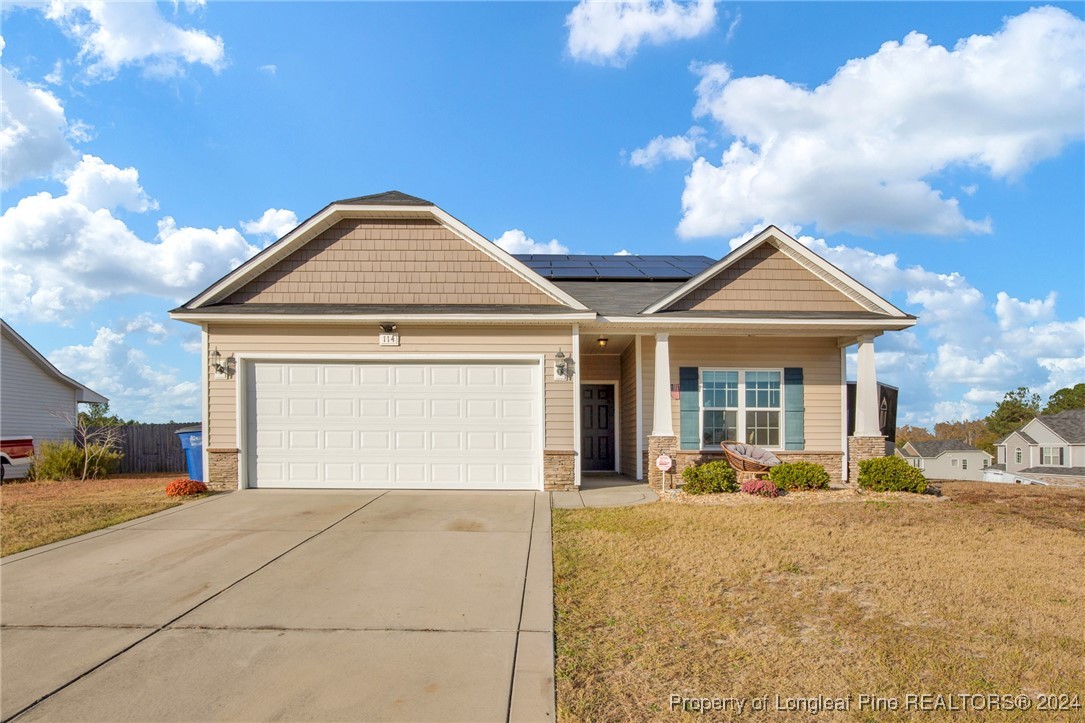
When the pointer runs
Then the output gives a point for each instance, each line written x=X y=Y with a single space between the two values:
x=66 y=460
x=184 y=487
x=891 y=474
x=761 y=488
x=710 y=478
x=799 y=476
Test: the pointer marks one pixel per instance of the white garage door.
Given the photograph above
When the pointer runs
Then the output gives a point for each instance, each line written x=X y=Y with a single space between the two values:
x=403 y=425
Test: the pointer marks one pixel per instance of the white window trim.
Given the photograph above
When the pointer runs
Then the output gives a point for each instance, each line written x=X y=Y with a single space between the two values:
x=1017 y=455
x=742 y=408
x=1062 y=455
x=953 y=462
x=964 y=463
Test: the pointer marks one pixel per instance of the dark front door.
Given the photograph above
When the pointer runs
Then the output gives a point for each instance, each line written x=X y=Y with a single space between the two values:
x=597 y=427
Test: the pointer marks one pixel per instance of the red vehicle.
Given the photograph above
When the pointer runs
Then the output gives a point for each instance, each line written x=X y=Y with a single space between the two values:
x=14 y=449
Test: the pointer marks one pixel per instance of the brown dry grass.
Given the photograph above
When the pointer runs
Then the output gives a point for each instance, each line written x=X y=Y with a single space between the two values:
x=37 y=513
x=981 y=591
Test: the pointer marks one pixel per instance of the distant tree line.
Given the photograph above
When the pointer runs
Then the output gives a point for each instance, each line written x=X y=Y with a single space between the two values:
x=99 y=415
x=1013 y=412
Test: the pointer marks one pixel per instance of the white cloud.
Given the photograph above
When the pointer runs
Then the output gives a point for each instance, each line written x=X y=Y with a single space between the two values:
x=609 y=33
x=859 y=151
x=137 y=388
x=113 y=35
x=276 y=222
x=67 y=253
x=623 y=252
x=980 y=350
x=668 y=148
x=516 y=241
x=33 y=131
x=56 y=75
x=269 y=69
x=100 y=185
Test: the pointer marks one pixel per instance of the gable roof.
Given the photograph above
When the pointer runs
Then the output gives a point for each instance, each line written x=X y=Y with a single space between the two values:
x=1020 y=434
x=821 y=268
x=389 y=204
x=936 y=447
x=1070 y=425
x=82 y=393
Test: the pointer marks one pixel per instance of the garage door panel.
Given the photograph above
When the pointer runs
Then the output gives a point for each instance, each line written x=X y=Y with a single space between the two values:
x=410 y=425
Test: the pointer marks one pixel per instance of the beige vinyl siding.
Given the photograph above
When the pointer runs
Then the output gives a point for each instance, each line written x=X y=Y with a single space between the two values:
x=628 y=413
x=941 y=467
x=1043 y=435
x=34 y=402
x=818 y=357
x=599 y=367
x=366 y=261
x=302 y=340
x=766 y=279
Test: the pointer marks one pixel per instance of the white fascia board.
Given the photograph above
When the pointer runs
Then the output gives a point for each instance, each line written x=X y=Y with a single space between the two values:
x=195 y=317
x=335 y=212
x=666 y=323
x=789 y=246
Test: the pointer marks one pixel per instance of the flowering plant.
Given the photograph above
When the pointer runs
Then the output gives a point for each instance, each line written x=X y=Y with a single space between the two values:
x=183 y=487
x=761 y=488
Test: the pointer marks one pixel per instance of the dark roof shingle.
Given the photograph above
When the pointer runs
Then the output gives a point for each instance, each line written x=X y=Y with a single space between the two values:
x=387 y=198
x=1070 y=425
x=936 y=447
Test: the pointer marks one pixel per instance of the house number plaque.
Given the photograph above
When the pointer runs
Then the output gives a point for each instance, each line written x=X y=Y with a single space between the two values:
x=389 y=340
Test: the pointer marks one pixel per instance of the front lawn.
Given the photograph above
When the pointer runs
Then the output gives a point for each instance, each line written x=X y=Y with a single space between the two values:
x=980 y=591
x=37 y=513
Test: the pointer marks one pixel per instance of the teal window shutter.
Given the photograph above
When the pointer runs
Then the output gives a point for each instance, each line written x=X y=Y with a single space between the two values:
x=689 y=408
x=794 y=409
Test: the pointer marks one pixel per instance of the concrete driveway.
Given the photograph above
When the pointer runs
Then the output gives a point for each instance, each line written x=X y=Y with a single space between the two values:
x=289 y=605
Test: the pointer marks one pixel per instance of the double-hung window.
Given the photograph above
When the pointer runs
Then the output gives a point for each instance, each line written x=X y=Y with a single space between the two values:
x=741 y=406
x=1051 y=456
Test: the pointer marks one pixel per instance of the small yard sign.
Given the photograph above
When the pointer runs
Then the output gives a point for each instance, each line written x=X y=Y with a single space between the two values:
x=664 y=463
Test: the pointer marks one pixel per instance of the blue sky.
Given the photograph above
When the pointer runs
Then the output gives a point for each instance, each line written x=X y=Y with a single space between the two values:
x=934 y=151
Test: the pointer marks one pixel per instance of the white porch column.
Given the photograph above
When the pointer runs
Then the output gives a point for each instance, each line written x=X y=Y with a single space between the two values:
x=866 y=391
x=662 y=424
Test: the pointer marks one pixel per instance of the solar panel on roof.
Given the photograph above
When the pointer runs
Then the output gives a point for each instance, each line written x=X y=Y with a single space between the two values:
x=584 y=273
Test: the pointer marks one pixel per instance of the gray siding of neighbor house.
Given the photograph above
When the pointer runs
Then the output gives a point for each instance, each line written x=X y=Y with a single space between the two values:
x=31 y=398
x=1014 y=441
x=941 y=467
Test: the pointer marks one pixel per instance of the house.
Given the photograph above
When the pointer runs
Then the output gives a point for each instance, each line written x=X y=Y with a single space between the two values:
x=36 y=399
x=1049 y=449
x=946 y=459
x=384 y=343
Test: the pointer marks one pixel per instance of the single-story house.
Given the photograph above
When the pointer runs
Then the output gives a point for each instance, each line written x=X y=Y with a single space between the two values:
x=1050 y=448
x=946 y=459
x=36 y=399
x=384 y=343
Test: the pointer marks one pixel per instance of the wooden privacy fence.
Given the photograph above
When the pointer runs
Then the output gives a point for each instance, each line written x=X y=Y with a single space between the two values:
x=152 y=448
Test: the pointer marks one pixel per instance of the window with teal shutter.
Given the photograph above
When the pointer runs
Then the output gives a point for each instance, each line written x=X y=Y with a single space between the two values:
x=794 y=409
x=689 y=409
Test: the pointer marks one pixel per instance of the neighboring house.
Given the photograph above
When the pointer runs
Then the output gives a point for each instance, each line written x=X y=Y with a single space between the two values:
x=36 y=399
x=946 y=459
x=1050 y=448
x=383 y=343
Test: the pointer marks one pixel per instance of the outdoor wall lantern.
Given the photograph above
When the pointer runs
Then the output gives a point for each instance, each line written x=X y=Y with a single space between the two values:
x=602 y=341
x=563 y=366
x=223 y=367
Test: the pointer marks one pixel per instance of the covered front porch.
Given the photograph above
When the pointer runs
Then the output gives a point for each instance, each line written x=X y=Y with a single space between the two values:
x=683 y=391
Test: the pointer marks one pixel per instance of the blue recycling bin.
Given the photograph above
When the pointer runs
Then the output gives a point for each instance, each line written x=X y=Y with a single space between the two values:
x=192 y=444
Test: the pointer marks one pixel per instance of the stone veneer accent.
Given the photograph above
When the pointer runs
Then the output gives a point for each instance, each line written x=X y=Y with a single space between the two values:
x=221 y=469
x=862 y=448
x=559 y=469
x=833 y=462
x=657 y=446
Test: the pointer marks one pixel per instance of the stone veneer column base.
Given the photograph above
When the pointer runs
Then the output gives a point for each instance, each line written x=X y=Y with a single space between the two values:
x=656 y=447
x=863 y=448
x=559 y=469
x=221 y=472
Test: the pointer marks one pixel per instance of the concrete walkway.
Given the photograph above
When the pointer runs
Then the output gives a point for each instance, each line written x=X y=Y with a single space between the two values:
x=289 y=605
x=605 y=490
